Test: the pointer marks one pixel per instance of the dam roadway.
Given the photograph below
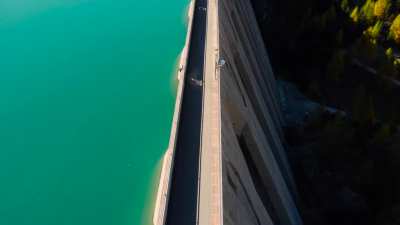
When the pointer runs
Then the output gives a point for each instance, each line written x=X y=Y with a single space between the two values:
x=183 y=196
x=225 y=163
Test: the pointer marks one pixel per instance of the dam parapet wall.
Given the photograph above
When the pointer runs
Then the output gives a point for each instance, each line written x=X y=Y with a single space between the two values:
x=162 y=197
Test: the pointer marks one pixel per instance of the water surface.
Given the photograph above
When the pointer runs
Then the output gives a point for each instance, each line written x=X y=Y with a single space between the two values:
x=85 y=107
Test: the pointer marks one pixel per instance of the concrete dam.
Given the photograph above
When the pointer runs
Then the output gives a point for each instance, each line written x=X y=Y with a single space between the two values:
x=226 y=162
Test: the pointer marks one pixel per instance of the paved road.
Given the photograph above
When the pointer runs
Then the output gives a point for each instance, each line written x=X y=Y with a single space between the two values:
x=182 y=206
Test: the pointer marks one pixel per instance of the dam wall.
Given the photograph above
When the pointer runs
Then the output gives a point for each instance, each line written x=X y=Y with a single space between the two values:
x=257 y=185
x=244 y=176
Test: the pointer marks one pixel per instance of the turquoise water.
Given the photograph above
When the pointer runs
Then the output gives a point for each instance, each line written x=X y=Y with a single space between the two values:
x=86 y=103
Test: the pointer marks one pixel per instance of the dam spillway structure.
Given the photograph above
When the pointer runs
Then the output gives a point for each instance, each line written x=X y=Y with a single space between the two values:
x=226 y=163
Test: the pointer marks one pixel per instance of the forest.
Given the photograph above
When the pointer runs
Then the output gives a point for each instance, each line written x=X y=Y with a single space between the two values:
x=343 y=54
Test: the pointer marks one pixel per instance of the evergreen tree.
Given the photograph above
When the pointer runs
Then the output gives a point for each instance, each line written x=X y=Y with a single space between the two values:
x=381 y=8
x=395 y=29
x=375 y=31
x=389 y=54
x=344 y=5
x=355 y=15
x=367 y=11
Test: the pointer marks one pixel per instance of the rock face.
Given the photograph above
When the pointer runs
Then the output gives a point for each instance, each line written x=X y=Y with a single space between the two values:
x=257 y=183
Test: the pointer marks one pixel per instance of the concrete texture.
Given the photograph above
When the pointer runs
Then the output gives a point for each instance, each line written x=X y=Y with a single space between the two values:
x=210 y=183
x=257 y=184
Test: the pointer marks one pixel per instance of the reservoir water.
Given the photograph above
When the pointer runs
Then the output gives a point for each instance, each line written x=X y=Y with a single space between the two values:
x=86 y=102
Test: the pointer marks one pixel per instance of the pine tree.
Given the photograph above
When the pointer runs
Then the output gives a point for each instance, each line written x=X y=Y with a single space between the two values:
x=395 y=29
x=381 y=8
x=375 y=31
x=344 y=5
x=389 y=54
x=367 y=11
x=355 y=15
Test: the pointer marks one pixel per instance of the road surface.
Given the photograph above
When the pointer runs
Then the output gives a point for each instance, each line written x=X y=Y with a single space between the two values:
x=182 y=204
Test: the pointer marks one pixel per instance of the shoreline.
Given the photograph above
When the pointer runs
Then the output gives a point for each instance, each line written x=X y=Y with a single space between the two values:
x=148 y=210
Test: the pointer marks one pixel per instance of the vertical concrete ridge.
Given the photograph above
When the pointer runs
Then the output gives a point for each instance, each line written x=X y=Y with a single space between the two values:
x=160 y=209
